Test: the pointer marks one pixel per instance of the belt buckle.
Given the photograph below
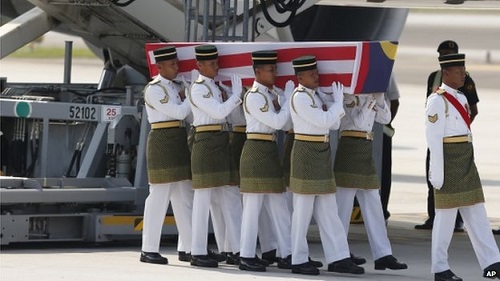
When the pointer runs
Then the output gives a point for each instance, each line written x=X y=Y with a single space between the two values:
x=369 y=135
x=224 y=127
x=274 y=137
x=327 y=138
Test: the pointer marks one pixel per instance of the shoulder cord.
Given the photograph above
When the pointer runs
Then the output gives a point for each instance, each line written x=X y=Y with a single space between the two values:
x=209 y=94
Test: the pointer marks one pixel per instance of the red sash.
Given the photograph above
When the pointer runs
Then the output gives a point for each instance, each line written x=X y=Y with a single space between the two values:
x=459 y=107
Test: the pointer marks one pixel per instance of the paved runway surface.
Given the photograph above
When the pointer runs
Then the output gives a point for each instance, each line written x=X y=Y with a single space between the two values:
x=77 y=262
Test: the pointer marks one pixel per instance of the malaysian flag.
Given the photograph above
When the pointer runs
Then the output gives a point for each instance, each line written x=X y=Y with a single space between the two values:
x=362 y=67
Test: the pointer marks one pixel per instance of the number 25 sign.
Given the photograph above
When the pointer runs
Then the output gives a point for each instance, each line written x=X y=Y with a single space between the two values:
x=109 y=113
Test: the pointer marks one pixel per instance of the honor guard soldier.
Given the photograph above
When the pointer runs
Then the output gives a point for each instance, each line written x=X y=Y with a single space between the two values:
x=168 y=159
x=453 y=174
x=237 y=137
x=261 y=175
x=311 y=175
x=469 y=90
x=211 y=157
x=356 y=176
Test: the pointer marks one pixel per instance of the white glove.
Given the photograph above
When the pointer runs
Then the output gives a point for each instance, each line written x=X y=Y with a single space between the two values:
x=370 y=102
x=338 y=92
x=237 y=85
x=436 y=179
x=194 y=75
x=437 y=184
x=379 y=97
x=289 y=87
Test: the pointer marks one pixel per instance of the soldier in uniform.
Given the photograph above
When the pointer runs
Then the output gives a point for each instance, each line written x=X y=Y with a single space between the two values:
x=237 y=138
x=168 y=159
x=261 y=176
x=453 y=173
x=311 y=175
x=356 y=176
x=211 y=157
x=469 y=90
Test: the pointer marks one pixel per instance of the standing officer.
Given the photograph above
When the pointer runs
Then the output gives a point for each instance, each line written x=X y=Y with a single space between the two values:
x=356 y=175
x=211 y=157
x=469 y=90
x=168 y=159
x=261 y=175
x=311 y=175
x=453 y=173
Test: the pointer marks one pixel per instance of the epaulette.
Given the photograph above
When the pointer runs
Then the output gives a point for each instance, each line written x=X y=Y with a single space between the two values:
x=440 y=91
x=154 y=81
x=199 y=81
x=254 y=89
x=302 y=89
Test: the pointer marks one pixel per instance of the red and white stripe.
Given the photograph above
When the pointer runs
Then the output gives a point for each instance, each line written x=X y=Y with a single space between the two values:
x=337 y=61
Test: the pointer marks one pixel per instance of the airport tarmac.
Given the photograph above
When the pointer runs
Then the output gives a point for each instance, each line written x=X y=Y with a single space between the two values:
x=120 y=261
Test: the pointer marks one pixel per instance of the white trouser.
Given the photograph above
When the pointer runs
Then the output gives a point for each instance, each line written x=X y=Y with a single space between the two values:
x=219 y=226
x=324 y=210
x=373 y=217
x=275 y=205
x=221 y=232
x=479 y=231
x=156 y=205
x=267 y=233
x=228 y=197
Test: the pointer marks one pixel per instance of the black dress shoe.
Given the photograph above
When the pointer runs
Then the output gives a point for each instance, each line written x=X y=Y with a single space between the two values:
x=285 y=263
x=345 y=266
x=496 y=231
x=314 y=263
x=270 y=256
x=233 y=259
x=426 y=225
x=305 y=268
x=492 y=271
x=446 y=276
x=260 y=261
x=389 y=262
x=203 y=261
x=251 y=264
x=357 y=260
x=153 y=258
x=216 y=256
x=183 y=256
